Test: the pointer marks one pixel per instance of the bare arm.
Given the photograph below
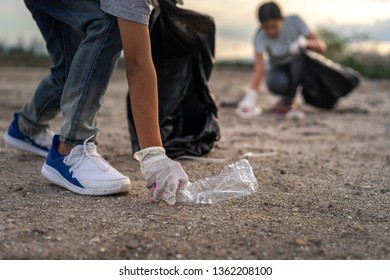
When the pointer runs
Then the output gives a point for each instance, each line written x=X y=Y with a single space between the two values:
x=142 y=81
x=315 y=43
x=258 y=72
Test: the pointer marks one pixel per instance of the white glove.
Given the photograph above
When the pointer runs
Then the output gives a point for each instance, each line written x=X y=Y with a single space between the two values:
x=248 y=108
x=164 y=177
x=300 y=43
x=156 y=4
x=250 y=99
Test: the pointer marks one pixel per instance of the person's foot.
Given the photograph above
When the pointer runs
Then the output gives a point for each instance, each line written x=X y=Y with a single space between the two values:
x=83 y=171
x=290 y=108
x=38 y=144
x=248 y=108
x=295 y=115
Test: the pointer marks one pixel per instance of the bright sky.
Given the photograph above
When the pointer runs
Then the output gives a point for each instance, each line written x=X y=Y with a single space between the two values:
x=235 y=19
x=236 y=22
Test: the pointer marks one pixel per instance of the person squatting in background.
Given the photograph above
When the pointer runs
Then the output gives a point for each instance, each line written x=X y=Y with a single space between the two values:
x=283 y=39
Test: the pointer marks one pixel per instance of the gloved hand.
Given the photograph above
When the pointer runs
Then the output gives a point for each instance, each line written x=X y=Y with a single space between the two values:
x=248 y=108
x=164 y=177
x=300 y=43
x=156 y=4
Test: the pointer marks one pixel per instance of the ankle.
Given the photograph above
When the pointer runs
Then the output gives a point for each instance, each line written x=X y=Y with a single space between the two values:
x=285 y=100
x=64 y=149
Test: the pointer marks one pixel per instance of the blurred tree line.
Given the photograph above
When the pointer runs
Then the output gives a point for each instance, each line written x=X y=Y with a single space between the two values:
x=21 y=54
x=370 y=65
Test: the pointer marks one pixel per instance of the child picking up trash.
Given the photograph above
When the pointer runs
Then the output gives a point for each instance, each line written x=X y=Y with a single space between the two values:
x=283 y=39
x=84 y=40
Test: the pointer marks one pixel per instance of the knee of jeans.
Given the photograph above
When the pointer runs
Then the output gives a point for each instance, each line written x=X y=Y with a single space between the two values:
x=277 y=86
x=103 y=28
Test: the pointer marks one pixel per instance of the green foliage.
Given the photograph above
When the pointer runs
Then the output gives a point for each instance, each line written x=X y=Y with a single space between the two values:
x=22 y=55
x=2 y=48
x=369 y=65
x=236 y=64
x=372 y=66
x=336 y=43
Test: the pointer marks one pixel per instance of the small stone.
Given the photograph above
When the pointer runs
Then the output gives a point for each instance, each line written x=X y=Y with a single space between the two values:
x=95 y=240
x=301 y=241
x=131 y=245
x=221 y=253
x=9 y=226
x=102 y=250
x=349 y=218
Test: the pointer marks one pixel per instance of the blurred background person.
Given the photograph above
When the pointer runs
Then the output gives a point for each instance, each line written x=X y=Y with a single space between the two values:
x=282 y=38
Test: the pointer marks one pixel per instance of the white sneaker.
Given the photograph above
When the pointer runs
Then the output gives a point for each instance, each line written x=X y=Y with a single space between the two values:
x=248 y=108
x=295 y=115
x=83 y=171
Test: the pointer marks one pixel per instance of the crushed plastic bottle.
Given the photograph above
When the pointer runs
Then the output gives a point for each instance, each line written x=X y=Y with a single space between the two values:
x=236 y=180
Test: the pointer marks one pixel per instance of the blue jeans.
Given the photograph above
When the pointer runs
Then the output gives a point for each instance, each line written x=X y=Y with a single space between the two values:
x=84 y=45
x=284 y=79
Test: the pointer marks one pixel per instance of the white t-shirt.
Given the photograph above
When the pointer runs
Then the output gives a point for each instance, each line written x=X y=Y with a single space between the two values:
x=278 y=48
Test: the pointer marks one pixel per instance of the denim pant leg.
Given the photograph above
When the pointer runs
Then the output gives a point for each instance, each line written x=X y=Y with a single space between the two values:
x=296 y=69
x=284 y=79
x=88 y=80
x=91 y=67
x=45 y=103
x=277 y=80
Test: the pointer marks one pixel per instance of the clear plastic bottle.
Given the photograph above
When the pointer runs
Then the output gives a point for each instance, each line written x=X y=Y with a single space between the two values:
x=235 y=180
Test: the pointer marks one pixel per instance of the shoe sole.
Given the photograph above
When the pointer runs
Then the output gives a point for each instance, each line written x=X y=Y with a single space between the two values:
x=23 y=146
x=249 y=115
x=55 y=177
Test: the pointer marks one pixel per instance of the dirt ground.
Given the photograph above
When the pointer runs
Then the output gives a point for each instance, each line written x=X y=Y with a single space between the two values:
x=325 y=195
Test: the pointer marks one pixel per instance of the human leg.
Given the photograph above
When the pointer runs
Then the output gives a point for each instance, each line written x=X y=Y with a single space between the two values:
x=82 y=169
x=277 y=80
x=30 y=130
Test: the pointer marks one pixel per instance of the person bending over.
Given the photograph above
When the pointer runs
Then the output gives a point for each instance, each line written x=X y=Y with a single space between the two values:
x=84 y=40
x=283 y=39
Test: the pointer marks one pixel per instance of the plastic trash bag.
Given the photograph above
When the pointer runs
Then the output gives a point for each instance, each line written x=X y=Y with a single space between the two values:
x=236 y=180
x=325 y=81
x=183 y=54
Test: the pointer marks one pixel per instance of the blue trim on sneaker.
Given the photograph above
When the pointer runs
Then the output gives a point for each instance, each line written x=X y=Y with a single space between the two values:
x=56 y=161
x=15 y=132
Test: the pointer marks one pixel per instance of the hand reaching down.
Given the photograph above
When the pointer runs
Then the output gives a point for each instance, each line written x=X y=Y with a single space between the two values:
x=164 y=177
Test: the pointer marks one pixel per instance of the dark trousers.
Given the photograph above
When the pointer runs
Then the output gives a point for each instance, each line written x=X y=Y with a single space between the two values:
x=284 y=79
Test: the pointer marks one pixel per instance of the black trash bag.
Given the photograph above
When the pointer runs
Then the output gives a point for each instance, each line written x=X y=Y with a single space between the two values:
x=325 y=81
x=183 y=44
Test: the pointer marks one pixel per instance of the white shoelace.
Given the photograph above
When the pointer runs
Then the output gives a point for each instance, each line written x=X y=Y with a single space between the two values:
x=80 y=152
